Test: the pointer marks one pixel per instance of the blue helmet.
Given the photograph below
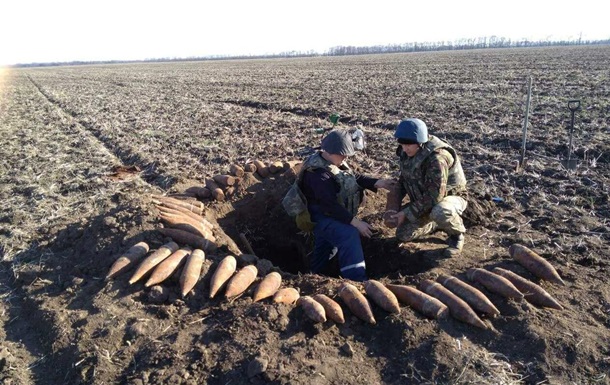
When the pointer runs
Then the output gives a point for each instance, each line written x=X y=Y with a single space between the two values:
x=411 y=131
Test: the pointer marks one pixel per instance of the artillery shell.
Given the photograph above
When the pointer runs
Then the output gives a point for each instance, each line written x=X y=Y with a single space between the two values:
x=261 y=169
x=475 y=298
x=533 y=293
x=250 y=167
x=199 y=192
x=236 y=170
x=217 y=192
x=268 y=286
x=165 y=269
x=224 y=180
x=287 y=295
x=333 y=309
x=539 y=266
x=192 y=271
x=194 y=206
x=393 y=201
x=174 y=209
x=225 y=270
x=127 y=260
x=184 y=237
x=275 y=167
x=292 y=168
x=420 y=301
x=180 y=222
x=458 y=308
x=153 y=260
x=494 y=283
x=356 y=302
x=382 y=296
x=241 y=281
x=313 y=309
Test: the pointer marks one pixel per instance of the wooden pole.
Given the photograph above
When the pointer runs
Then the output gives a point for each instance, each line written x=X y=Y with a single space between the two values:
x=527 y=114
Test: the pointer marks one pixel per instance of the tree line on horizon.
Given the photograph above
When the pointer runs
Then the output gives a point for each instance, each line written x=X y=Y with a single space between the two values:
x=460 y=44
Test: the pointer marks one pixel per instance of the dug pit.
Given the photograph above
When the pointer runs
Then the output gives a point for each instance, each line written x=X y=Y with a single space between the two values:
x=256 y=214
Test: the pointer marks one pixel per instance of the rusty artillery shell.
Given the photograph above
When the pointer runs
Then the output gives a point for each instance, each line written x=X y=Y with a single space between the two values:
x=381 y=296
x=312 y=309
x=420 y=301
x=393 y=201
x=241 y=281
x=356 y=302
x=494 y=283
x=192 y=271
x=292 y=168
x=458 y=308
x=475 y=298
x=153 y=260
x=127 y=260
x=268 y=286
x=201 y=221
x=165 y=269
x=170 y=207
x=194 y=206
x=333 y=309
x=261 y=169
x=236 y=170
x=250 y=167
x=287 y=295
x=199 y=192
x=532 y=292
x=224 y=180
x=223 y=272
x=185 y=223
x=184 y=237
x=217 y=192
x=537 y=265
x=275 y=167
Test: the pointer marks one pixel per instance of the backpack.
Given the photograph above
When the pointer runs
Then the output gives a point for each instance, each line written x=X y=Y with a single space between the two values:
x=295 y=204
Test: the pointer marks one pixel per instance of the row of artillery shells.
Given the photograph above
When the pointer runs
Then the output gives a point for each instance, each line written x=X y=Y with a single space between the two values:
x=222 y=185
x=237 y=283
x=437 y=299
x=161 y=264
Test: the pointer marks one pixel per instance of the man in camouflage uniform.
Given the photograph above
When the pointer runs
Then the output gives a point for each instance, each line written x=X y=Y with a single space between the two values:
x=334 y=193
x=431 y=175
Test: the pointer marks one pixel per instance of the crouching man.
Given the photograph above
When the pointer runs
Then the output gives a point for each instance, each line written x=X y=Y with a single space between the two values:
x=334 y=193
x=432 y=176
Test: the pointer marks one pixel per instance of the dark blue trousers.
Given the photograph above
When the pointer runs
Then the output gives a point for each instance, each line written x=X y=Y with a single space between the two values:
x=330 y=233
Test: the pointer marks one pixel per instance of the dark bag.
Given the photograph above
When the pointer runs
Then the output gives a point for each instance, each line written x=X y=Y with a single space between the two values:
x=295 y=204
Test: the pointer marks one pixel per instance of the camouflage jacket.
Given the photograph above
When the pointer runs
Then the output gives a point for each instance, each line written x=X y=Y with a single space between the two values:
x=350 y=193
x=429 y=176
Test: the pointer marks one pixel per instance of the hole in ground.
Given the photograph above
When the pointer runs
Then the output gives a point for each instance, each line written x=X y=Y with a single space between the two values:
x=273 y=235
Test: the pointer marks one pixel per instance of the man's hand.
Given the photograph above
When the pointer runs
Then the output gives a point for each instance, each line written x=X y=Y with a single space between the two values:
x=363 y=228
x=399 y=217
x=386 y=184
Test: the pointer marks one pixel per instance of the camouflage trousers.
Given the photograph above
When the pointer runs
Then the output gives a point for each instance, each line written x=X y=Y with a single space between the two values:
x=445 y=216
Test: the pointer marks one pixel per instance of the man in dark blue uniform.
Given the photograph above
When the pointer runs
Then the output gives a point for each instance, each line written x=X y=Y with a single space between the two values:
x=334 y=193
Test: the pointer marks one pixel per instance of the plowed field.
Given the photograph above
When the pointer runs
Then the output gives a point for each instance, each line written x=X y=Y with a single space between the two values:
x=66 y=216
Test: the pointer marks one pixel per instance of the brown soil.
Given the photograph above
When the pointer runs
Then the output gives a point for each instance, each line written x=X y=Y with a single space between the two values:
x=84 y=148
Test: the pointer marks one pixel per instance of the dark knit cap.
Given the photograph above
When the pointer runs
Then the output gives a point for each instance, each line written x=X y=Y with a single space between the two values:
x=338 y=142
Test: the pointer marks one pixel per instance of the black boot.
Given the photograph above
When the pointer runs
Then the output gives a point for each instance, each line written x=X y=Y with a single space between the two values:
x=455 y=243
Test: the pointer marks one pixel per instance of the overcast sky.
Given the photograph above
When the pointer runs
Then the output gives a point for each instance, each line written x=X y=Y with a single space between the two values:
x=65 y=30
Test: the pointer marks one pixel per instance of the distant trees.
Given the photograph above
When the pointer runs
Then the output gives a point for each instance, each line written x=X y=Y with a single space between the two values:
x=460 y=44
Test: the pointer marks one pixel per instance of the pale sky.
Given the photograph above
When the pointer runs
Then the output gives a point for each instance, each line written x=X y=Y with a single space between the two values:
x=66 y=30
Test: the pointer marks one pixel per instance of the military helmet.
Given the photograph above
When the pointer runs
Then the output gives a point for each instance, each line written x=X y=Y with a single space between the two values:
x=411 y=131
x=338 y=142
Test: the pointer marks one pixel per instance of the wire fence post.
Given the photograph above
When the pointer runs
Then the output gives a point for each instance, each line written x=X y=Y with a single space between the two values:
x=527 y=114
